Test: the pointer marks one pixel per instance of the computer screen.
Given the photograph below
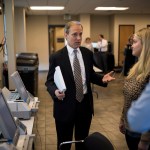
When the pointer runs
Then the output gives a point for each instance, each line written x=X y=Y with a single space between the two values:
x=8 y=126
x=20 y=87
x=94 y=44
x=8 y=95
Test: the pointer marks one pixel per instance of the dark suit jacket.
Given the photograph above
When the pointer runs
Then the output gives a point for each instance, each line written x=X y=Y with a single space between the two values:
x=66 y=109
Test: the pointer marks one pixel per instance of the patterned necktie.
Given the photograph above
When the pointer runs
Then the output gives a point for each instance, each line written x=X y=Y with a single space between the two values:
x=78 y=78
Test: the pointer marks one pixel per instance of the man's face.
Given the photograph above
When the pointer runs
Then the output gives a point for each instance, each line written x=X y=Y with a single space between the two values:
x=74 y=37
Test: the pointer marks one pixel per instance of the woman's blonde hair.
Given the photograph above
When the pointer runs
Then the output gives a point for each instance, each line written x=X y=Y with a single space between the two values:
x=142 y=68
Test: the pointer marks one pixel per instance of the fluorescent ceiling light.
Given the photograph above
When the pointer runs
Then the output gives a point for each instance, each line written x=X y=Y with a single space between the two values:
x=0 y=7
x=47 y=7
x=111 y=8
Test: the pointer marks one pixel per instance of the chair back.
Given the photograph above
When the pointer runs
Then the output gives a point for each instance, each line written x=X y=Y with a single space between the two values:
x=97 y=60
x=97 y=141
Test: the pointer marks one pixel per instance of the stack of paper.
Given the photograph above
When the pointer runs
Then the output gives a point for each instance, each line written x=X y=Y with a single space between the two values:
x=97 y=69
x=58 y=79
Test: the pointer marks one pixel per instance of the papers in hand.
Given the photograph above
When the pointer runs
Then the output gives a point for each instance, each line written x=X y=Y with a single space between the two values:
x=58 y=79
x=97 y=69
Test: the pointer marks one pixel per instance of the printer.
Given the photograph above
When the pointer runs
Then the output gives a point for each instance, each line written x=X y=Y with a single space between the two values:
x=20 y=108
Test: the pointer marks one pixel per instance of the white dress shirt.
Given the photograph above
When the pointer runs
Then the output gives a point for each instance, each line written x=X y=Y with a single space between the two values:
x=79 y=55
x=102 y=45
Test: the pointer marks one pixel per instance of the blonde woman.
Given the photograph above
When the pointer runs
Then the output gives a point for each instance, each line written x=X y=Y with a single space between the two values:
x=139 y=76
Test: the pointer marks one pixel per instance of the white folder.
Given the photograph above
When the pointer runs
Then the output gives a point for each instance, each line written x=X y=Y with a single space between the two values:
x=58 y=79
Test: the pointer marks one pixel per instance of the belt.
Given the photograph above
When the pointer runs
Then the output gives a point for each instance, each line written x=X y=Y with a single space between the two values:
x=85 y=96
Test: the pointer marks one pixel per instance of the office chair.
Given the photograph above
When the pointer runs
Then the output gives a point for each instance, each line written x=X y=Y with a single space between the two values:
x=97 y=60
x=95 y=141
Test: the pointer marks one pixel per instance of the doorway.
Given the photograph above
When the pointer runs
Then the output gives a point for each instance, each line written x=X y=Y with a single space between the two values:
x=56 y=38
x=124 y=32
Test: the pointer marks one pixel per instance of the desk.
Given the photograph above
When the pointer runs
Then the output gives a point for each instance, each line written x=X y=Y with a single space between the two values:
x=29 y=124
x=25 y=142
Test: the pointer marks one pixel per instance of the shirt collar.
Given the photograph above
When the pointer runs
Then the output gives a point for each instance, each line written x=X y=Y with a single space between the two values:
x=70 y=49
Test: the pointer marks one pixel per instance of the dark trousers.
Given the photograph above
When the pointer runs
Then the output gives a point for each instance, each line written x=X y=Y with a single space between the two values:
x=133 y=140
x=80 y=125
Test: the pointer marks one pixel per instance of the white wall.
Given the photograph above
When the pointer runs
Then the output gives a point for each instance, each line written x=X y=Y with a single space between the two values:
x=20 y=30
x=59 y=20
x=99 y=25
x=86 y=23
x=37 y=38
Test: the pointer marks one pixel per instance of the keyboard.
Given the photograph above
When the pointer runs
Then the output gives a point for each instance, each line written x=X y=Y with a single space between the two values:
x=14 y=95
x=10 y=95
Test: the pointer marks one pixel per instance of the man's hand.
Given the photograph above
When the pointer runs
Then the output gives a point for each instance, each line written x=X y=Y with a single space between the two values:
x=60 y=95
x=108 y=77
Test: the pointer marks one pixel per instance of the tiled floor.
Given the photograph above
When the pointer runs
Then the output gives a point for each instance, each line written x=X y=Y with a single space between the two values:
x=107 y=106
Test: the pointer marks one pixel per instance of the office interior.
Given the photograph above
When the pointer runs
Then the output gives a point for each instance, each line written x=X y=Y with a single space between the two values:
x=30 y=33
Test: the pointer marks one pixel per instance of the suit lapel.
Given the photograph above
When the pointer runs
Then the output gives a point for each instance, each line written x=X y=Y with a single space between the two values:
x=66 y=63
x=85 y=60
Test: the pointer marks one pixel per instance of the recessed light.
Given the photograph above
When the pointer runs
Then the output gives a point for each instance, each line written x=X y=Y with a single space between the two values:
x=46 y=7
x=111 y=8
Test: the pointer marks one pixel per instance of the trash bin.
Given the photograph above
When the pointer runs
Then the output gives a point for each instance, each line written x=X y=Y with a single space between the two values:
x=27 y=66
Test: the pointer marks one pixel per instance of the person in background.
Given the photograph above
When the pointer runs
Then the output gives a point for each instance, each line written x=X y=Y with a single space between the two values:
x=73 y=108
x=138 y=77
x=102 y=46
x=88 y=44
x=129 y=59
x=139 y=112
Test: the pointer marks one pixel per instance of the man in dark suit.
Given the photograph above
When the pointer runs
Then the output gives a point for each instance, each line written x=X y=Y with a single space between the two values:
x=70 y=114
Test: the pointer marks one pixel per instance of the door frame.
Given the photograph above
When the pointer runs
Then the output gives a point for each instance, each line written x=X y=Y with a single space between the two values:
x=126 y=37
x=49 y=27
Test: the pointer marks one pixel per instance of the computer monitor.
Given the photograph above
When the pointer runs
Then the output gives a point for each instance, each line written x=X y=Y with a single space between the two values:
x=8 y=126
x=94 y=44
x=20 y=87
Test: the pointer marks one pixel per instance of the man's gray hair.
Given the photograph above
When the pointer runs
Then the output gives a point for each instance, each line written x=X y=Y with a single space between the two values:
x=71 y=23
